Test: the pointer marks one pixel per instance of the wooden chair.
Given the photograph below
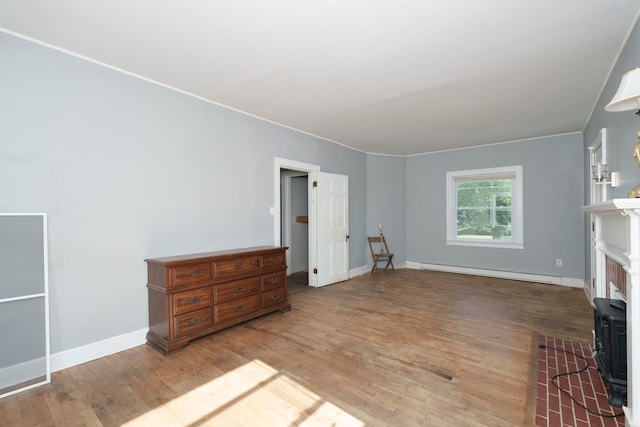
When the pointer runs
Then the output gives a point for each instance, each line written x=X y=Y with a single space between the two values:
x=382 y=254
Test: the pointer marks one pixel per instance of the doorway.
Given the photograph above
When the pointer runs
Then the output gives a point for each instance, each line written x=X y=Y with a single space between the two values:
x=327 y=219
x=295 y=219
x=284 y=171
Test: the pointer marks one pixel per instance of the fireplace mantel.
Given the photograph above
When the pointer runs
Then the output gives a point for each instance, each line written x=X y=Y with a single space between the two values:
x=613 y=206
x=617 y=236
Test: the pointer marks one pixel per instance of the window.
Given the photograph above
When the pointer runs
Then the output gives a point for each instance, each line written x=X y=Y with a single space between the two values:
x=484 y=207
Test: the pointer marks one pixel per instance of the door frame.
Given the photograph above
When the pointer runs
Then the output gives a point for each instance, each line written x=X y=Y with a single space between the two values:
x=280 y=163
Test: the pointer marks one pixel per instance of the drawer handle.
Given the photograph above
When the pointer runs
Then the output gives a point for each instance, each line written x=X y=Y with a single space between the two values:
x=194 y=273
x=194 y=300
x=238 y=266
x=274 y=280
x=196 y=321
x=240 y=308
x=273 y=260
x=239 y=289
x=274 y=297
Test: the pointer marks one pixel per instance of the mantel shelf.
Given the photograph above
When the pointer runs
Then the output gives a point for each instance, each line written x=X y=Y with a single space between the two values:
x=613 y=206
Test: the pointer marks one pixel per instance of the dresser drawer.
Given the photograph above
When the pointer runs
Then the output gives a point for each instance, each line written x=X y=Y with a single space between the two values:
x=273 y=297
x=236 y=289
x=237 y=308
x=191 y=322
x=190 y=274
x=273 y=280
x=236 y=267
x=185 y=302
x=273 y=261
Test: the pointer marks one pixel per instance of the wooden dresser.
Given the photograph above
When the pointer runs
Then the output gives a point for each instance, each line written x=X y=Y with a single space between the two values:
x=194 y=295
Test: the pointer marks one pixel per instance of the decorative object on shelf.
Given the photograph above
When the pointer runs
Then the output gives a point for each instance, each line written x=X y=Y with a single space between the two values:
x=636 y=150
x=628 y=98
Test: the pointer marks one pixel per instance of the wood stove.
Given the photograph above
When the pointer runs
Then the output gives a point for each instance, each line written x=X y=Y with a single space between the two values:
x=611 y=346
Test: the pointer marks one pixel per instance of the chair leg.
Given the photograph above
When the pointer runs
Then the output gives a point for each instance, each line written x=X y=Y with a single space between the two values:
x=386 y=267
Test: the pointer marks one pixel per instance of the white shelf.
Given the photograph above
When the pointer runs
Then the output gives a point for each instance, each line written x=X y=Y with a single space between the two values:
x=613 y=206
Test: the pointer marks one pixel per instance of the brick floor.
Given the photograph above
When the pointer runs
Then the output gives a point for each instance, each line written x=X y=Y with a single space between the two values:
x=556 y=409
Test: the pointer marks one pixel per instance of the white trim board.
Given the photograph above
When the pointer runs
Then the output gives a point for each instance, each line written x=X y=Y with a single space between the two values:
x=553 y=280
x=86 y=353
x=358 y=271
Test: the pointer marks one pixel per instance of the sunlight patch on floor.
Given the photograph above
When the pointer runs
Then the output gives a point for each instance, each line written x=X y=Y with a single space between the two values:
x=253 y=394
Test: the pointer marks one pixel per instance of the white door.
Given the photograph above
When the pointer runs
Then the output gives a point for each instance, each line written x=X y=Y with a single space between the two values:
x=330 y=207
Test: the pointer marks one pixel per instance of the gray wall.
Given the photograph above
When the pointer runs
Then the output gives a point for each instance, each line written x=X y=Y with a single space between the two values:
x=129 y=170
x=621 y=131
x=553 y=221
x=387 y=203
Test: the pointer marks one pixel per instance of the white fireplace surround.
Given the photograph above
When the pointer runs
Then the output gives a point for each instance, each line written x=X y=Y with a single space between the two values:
x=617 y=236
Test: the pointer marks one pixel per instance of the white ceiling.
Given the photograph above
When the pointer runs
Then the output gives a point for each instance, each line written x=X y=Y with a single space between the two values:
x=382 y=76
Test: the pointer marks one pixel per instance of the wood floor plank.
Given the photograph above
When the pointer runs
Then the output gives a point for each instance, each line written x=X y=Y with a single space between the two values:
x=409 y=348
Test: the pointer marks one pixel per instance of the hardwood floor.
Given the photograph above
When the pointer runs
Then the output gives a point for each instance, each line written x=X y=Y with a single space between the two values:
x=410 y=348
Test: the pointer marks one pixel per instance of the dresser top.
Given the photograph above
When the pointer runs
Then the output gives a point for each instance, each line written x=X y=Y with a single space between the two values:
x=254 y=250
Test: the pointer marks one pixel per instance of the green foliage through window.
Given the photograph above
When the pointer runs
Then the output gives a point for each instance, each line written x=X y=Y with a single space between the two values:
x=484 y=208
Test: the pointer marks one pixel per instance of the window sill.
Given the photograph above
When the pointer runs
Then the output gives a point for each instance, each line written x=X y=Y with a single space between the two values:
x=488 y=244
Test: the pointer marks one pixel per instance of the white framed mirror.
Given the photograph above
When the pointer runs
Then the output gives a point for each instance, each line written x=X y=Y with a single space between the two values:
x=24 y=303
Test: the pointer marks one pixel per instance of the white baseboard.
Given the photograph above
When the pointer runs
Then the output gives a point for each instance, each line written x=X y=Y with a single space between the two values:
x=554 y=280
x=367 y=268
x=359 y=271
x=76 y=356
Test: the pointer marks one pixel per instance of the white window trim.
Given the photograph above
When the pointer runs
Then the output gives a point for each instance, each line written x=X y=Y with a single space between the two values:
x=517 y=203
